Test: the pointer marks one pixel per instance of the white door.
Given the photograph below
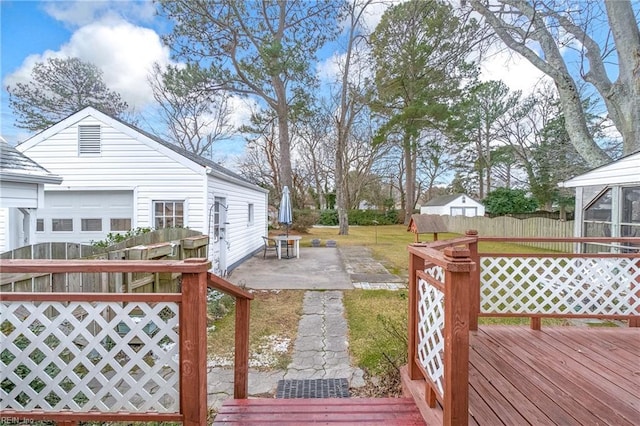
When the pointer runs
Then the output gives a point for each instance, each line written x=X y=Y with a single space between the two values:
x=220 y=244
x=83 y=216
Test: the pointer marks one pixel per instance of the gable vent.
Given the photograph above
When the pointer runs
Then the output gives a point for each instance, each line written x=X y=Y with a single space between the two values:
x=89 y=139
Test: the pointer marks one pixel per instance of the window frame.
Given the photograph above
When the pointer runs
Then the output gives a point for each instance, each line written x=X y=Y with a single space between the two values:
x=62 y=221
x=250 y=214
x=173 y=216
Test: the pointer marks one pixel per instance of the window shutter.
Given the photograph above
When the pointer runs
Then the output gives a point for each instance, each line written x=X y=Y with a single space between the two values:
x=89 y=139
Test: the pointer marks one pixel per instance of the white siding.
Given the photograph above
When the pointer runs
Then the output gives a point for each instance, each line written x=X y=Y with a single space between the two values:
x=19 y=194
x=124 y=163
x=4 y=230
x=242 y=237
x=457 y=203
x=440 y=210
x=626 y=170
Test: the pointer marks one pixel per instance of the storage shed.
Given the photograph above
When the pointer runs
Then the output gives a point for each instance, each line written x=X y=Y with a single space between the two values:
x=453 y=205
x=608 y=199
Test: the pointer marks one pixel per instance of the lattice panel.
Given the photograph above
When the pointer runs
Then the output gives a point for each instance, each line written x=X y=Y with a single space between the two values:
x=430 y=328
x=590 y=286
x=89 y=356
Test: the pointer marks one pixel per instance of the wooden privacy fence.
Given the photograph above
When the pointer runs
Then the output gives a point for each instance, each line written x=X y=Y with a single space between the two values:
x=193 y=246
x=71 y=357
x=504 y=226
x=451 y=284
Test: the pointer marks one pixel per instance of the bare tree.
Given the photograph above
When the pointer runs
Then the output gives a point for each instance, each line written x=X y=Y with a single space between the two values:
x=351 y=97
x=194 y=115
x=549 y=26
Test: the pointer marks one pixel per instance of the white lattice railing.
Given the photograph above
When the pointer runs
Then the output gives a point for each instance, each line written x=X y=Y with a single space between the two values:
x=89 y=356
x=431 y=326
x=587 y=286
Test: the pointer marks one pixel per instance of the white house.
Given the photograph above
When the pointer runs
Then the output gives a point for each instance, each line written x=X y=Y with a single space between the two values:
x=21 y=193
x=117 y=177
x=608 y=199
x=453 y=205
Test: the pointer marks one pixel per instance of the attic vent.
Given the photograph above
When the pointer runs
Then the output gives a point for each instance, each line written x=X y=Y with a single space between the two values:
x=89 y=139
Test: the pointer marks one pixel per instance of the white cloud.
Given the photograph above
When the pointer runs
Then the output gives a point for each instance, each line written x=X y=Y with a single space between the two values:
x=82 y=12
x=124 y=52
x=241 y=110
x=514 y=70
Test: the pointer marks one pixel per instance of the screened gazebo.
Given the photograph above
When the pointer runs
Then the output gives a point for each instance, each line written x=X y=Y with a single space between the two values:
x=608 y=200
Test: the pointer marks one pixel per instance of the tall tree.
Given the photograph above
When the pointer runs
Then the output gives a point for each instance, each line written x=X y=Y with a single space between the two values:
x=480 y=123
x=540 y=31
x=421 y=50
x=58 y=88
x=195 y=117
x=351 y=103
x=260 y=48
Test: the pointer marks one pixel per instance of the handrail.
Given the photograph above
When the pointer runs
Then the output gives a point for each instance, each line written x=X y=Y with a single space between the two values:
x=216 y=282
x=191 y=319
x=241 y=357
x=187 y=266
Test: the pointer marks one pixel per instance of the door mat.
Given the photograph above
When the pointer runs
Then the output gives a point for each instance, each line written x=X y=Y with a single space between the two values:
x=313 y=388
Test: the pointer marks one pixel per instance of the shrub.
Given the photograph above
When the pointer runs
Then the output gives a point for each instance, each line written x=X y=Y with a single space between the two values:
x=115 y=237
x=505 y=201
x=328 y=218
x=304 y=219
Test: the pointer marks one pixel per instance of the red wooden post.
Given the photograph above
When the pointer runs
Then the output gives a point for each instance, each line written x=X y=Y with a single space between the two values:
x=457 y=304
x=193 y=349
x=535 y=323
x=475 y=280
x=634 y=296
x=241 y=369
x=416 y=263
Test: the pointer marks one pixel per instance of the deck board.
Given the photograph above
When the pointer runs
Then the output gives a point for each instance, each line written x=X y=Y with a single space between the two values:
x=318 y=411
x=586 y=381
x=554 y=376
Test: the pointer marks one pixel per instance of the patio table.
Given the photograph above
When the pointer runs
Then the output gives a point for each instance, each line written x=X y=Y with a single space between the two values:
x=286 y=238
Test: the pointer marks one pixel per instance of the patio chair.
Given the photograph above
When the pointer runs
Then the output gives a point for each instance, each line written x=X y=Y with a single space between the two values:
x=269 y=244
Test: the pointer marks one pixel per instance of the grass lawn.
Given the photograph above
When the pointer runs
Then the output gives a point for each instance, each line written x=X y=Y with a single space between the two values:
x=271 y=332
x=389 y=243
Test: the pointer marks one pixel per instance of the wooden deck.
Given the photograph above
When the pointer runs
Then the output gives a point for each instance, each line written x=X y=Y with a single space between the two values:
x=555 y=376
x=329 y=411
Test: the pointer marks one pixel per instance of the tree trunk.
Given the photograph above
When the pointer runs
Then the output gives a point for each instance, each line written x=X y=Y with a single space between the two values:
x=286 y=174
x=410 y=178
x=625 y=92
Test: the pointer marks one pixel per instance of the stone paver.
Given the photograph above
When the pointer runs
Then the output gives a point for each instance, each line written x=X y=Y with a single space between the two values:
x=321 y=349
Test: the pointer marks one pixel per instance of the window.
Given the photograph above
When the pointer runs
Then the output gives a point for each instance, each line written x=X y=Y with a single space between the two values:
x=120 y=225
x=62 y=225
x=630 y=212
x=598 y=221
x=167 y=214
x=91 y=225
x=250 y=214
x=89 y=140
x=39 y=225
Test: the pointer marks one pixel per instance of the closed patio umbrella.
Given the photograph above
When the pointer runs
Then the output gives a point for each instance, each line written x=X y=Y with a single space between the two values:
x=284 y=214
